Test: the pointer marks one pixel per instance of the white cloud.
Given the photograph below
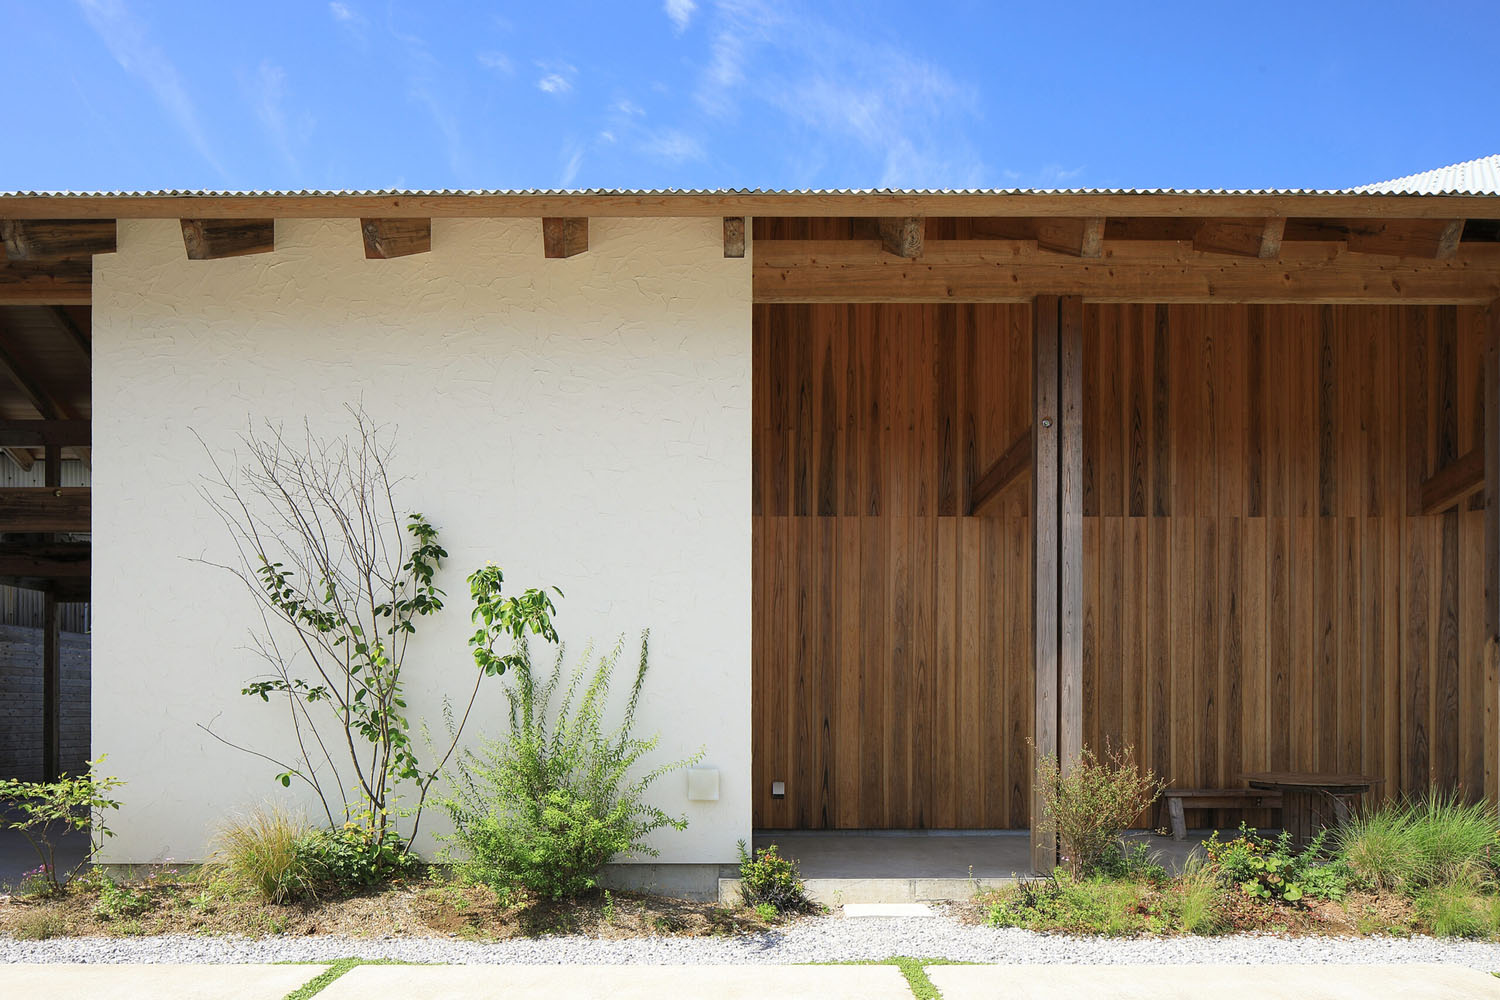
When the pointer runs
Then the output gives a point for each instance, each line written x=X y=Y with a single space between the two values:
x=681 y=12
x=131 y=45
x=554 y=83
x=498 y=61
x=342 y=12
x=625 y=106
x=672 y=146
x=572 y=163
x=267 y=91
x=850 y=96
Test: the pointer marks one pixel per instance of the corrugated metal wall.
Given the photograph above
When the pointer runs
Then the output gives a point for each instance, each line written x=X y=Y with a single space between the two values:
x=24 y=607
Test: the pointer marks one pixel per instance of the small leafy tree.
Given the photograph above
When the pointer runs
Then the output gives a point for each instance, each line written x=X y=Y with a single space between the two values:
x=42 y=811
x=342 y=579
x=1093 y=800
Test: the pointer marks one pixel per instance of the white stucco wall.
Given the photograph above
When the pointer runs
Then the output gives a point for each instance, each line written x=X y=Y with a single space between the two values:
x=581 y=422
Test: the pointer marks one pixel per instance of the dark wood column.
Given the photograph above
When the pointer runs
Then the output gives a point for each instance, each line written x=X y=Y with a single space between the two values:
x=1491 y=446
x=1057 y=544
x=51 y=652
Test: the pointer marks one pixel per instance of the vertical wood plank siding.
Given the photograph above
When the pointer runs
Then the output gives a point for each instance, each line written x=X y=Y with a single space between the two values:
x=1256 y=593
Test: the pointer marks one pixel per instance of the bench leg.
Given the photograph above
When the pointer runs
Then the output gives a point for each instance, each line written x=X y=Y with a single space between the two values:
x=1179 y=822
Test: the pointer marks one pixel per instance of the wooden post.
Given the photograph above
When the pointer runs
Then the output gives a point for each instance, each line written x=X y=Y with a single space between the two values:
x=1057 y=546
x=51 y=652
x=1491 y=446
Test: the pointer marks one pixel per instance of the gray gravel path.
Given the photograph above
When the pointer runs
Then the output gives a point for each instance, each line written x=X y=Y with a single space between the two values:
x=811 y=940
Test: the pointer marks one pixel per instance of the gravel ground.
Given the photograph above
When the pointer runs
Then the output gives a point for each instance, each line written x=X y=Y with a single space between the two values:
x=812 y=940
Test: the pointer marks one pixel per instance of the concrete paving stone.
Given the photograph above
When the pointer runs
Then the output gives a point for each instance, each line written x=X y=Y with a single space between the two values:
x=151 y=982
x=1221 y=982
x=888 y=910
x=621 y=982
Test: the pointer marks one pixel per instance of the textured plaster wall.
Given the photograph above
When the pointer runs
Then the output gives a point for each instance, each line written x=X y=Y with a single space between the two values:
x=582 y=422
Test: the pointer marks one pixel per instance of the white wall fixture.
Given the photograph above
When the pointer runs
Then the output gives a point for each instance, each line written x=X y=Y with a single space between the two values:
x=778 y=789
x=703 y=784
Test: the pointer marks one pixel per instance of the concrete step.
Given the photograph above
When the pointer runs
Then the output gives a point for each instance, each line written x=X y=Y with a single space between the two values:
x=834 y=892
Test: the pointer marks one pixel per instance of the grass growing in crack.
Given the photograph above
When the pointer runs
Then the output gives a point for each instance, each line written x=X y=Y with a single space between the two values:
x=340 y=966
x=914 y=970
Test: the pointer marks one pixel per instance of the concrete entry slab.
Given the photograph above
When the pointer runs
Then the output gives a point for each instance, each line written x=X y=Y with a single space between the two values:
x=888 y=910
x=149 y=982
x=622 y=982
x=1222 y=982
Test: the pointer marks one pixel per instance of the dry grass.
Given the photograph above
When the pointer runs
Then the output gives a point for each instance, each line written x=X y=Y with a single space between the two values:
x=427 y=907
x=259 y=852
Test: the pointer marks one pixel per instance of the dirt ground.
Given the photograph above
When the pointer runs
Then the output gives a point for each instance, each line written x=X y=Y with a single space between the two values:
x=422 y=908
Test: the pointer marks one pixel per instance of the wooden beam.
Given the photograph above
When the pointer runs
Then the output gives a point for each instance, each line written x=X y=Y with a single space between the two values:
x=867 y=204
x=51 y=688
x=1460 y=478
x=20 y=456
x=566 y=236
x=45 y=283
x=1491 y=362
x=845 y=271
x=734 y=236
x=45 y=560
x=1045 y=511
x=1260 y=238
x=1073 y=237
x=1014 y=463
x=36 y=394
x=1070 y=529
x=387 y=238
x=1434 y=238
x=40 y=433
x=902 y=236
x=215 y=239
x=52 y=239
x=38 y=508
x=72 y=331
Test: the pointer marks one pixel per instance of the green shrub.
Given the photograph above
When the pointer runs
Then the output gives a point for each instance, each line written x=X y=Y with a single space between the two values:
x=1454 y=910
x=1075 y=906
x=1270 y=869
x=42 y=811
x=264 y=852
x=768 y=879
x=117 y=901
x=1436 y=841
x=355 y=857
x=1130 y=863
x=1093 y=801
x=545 y=807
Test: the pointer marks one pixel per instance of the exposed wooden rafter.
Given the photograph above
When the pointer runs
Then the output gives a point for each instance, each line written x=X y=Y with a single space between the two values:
x=387 y=238
x=44 y=283
x=566 y=236
x=72 y=331
x=213 y=239
x=44 y=559
x=39 y=508
x=1461 y=478
x=902 y=236
x=53 y=239
x=44 y=433
x=734 y=236
x=40 y=398
x=1015 y=271
x=1434 y=238
x=1259 y=238
x=1074 y=237
x=1014 y=463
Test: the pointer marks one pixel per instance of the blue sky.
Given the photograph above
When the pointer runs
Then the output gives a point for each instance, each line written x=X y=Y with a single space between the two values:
x=731 y=93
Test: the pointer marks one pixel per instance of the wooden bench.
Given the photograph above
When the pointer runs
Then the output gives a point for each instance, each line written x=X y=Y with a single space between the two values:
x=1177 y=799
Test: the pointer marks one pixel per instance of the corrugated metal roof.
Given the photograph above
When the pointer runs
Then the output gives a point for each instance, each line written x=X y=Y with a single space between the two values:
x=1388 y=188
x=1481 y=176
x=1476 y=177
